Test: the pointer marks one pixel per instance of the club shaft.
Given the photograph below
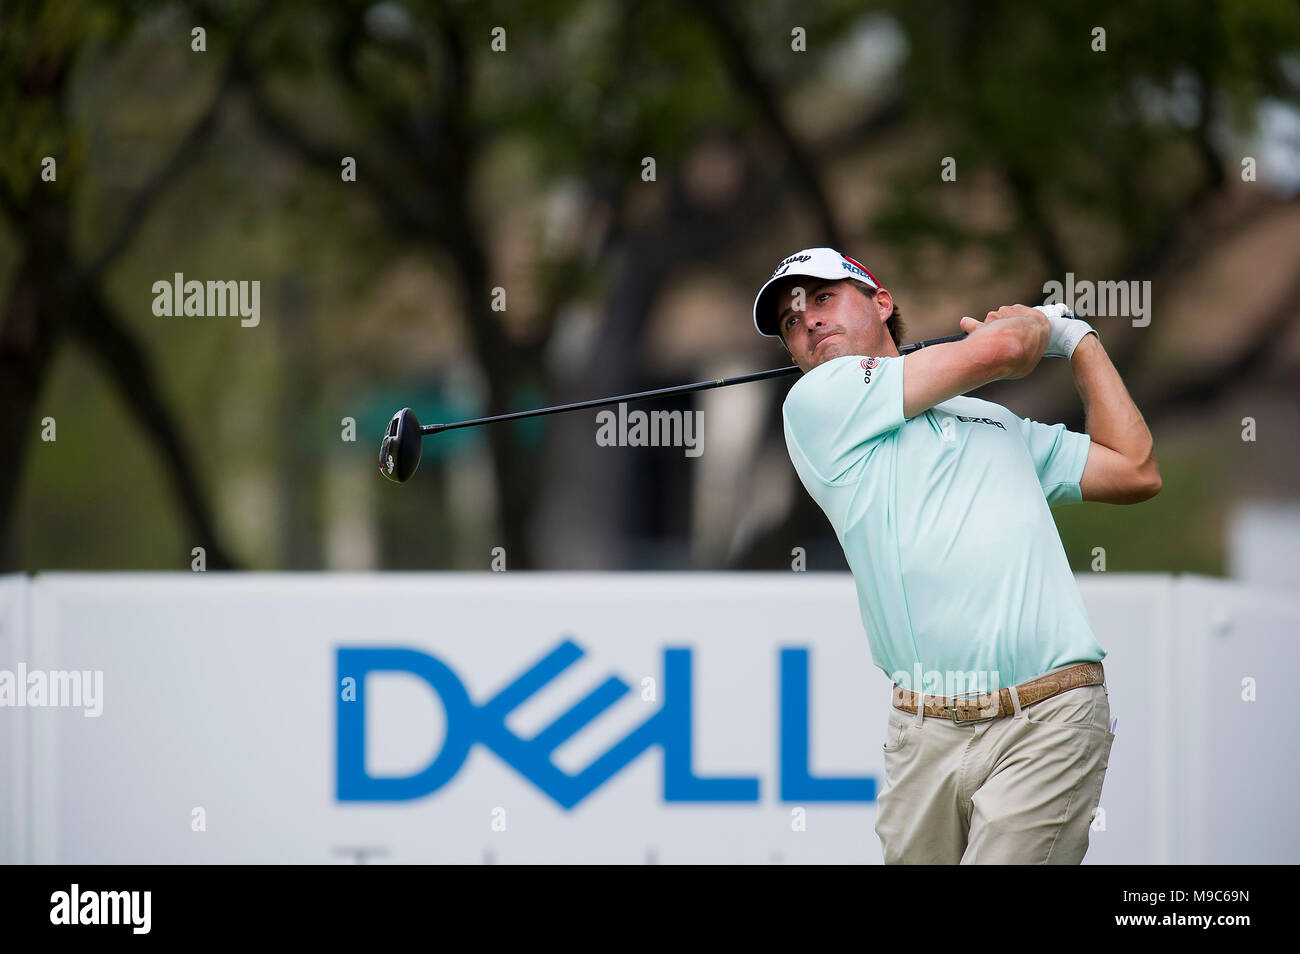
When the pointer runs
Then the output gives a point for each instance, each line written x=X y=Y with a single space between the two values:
x=657 y=392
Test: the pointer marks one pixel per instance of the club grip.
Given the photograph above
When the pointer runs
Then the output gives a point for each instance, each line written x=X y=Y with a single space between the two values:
x=918 y=345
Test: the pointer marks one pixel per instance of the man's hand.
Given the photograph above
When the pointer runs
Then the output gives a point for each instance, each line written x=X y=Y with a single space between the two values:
x=1067 y=331
x=1028 y=326
x=1008 y=344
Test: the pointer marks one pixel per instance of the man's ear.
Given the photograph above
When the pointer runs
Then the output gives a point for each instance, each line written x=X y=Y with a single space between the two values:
x=885 y=302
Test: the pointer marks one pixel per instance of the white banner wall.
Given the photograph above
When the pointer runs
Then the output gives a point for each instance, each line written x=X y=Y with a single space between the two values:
x=1238 y=746
x=1133 y=618
x=515 y=717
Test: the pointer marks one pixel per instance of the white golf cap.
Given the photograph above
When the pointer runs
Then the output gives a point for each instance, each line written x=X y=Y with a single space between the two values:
x=814 y=263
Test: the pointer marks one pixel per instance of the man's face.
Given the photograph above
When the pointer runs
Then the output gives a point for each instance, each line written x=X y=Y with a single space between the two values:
x=836 y=320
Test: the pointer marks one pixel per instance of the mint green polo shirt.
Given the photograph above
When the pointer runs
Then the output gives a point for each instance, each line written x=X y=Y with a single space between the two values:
x=945 y=523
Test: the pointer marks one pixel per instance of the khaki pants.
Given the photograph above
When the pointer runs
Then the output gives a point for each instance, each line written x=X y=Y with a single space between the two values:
x=1019 y=789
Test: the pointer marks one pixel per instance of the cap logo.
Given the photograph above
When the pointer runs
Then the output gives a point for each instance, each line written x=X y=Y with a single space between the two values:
x=857 y=268
x=782 y=268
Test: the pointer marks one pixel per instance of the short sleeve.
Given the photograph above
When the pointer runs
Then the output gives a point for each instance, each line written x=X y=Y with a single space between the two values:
x=1059 y=456
x=836 y=411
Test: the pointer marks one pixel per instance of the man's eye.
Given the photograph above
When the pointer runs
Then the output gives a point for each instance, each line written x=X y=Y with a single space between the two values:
x=823 y=295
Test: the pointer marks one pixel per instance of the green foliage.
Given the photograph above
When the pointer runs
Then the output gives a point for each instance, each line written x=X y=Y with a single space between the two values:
x=1012 y=90
x=1122 y=136
x=1180 y=530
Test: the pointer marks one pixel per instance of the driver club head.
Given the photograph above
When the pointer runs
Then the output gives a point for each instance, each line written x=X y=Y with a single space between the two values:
x=399 y=453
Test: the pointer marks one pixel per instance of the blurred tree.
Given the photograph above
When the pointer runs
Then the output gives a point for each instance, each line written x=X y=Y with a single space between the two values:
x=1100 y=162
x=422 y=98
x=1107 y=131
x=55 y=294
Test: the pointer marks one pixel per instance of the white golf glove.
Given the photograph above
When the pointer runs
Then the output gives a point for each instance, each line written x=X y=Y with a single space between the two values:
x=1067 y=331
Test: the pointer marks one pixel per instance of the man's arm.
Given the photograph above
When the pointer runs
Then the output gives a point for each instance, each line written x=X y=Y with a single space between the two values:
x=1121 y=465
x=1007 y=344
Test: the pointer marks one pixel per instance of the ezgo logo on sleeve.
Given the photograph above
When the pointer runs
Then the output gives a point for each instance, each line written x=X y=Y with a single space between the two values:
x=484 y=723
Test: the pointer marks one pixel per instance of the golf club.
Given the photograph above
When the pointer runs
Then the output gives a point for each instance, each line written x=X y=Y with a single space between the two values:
x=399 y=452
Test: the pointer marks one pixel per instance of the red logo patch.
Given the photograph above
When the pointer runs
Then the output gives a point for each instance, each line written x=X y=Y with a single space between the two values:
x=869 y=363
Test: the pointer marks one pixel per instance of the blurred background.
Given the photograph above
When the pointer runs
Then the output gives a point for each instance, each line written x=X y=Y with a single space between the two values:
x=1171 y=155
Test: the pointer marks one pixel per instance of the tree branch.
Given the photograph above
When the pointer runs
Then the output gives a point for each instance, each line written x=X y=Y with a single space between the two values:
x=328 y=156
x=722 y=21
x=181 y=159
x=1025 y=192
x=9 y=205
x=128 y=369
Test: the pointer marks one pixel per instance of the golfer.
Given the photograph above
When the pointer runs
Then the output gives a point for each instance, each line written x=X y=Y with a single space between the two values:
x=999 y=734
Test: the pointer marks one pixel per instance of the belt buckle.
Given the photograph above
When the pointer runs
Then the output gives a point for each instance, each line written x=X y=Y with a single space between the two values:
x=976 y=692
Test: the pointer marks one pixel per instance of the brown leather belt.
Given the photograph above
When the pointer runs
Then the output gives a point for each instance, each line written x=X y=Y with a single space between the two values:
x=963 y=710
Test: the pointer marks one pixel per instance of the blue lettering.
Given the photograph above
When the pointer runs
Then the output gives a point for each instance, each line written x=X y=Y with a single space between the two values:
x=669 y=728
x=797 y=785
